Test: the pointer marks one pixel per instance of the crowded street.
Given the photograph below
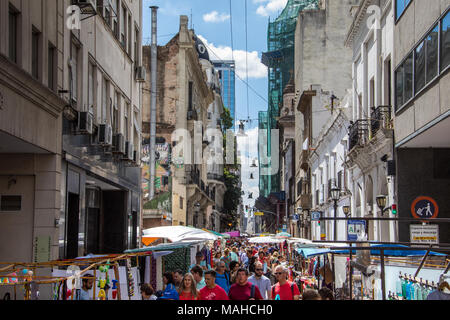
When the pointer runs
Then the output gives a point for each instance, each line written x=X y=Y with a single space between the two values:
x=248 y=152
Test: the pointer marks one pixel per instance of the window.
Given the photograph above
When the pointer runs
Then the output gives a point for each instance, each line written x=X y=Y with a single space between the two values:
x=136 y=47
x=123 y=27
x=181 y=202
x=35 y=56
x=404 y=81
x=432 y=49
x=51 y=67
x=190 y=96
x=74 y=72
x=127 y=122
x=13 y=33
x=104 y=99
x=445 y=41
x=116 y=22
x=91 y=78
x=115 y=119
x=129 y=35
x=372 y=93
x=419 y=80
x=400 y=7
x=10 y=203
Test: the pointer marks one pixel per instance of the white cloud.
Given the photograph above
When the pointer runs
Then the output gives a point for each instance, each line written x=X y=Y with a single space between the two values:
x=272 y=7
x=255 y=68
x=215 y=17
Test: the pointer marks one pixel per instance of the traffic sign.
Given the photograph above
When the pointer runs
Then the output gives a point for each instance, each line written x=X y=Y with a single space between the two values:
x=424 y=234
x=259 y=213
x=354 y=228
x=315 y=215
x=424 y=208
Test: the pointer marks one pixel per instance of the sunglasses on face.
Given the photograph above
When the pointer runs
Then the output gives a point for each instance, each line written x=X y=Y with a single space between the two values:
x=278 y=273
x=259 y=269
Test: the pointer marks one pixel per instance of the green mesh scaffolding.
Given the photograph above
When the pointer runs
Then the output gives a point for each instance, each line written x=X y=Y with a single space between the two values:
x=280 y=60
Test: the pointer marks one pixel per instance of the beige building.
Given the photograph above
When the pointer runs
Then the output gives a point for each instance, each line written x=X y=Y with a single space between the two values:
x=322 y=77
x=421 y=62
x=69 y=128
x=183 y=99
x=31 y=74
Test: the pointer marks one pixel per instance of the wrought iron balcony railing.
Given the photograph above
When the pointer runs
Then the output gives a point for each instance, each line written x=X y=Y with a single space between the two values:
x=359 y=132
x=380 y=119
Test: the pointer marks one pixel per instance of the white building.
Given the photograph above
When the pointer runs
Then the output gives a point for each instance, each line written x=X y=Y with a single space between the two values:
x=371 y=135
x=328 y=171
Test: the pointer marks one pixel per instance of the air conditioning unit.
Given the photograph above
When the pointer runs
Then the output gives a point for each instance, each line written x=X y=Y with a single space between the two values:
x=105 y=134
x=85 y=123
x=119 y=143
x=140 y=74
x=129 y=151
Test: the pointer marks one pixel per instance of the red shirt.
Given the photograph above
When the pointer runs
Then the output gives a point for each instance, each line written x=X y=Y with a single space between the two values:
x=187 y=296
x=285 y=291
x=238 y=292
x=213 y=294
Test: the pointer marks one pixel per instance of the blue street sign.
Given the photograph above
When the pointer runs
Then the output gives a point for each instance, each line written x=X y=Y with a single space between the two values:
x=355 y=227
x=315 y=215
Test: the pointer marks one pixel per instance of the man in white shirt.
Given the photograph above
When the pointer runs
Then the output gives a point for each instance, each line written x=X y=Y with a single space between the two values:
x=262 y=282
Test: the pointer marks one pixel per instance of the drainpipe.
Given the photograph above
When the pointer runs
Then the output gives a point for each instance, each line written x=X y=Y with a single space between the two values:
x=154 y=55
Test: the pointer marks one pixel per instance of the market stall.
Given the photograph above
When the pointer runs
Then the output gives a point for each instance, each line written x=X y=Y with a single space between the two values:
x=372 y=271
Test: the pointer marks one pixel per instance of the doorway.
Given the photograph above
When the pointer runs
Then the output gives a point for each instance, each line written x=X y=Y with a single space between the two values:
x=73 y=217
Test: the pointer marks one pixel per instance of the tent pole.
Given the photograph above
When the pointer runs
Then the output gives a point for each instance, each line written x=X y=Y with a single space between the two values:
x=351 y=272
x=383 y=278
x=422 y=262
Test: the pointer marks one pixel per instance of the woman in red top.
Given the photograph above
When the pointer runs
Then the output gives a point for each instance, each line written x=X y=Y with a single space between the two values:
x=188 y=290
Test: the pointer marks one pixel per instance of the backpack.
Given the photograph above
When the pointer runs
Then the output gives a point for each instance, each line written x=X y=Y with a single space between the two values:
x=252 y=292
x=292 y=290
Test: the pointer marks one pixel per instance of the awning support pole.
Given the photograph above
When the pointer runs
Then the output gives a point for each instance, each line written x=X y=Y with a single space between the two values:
x=422 y=262
x=351 y=273
x=383 y=278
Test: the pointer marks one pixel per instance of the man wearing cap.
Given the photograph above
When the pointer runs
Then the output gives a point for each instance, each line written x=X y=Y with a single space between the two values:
x=200 y=262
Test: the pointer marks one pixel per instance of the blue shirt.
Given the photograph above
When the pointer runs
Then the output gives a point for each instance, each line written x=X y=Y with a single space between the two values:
x=84 y=295
x=223 y=280
x=202 y=264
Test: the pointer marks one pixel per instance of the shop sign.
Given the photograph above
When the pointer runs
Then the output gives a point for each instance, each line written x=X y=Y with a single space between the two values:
x=315 y=215
x=424 y=234
x=355 y=228
x=259 y=213
x=424 y=208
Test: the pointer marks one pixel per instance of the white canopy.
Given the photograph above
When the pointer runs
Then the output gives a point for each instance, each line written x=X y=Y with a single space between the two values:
x=299 y=240
x=179 y=234
x=265 y=240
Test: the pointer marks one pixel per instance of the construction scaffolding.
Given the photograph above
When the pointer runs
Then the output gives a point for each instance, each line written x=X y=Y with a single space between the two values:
x=280 y=60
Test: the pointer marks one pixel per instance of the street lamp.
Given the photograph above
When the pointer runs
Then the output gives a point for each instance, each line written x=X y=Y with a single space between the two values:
x=381 y=203
x=346 y=210
x=335 y=195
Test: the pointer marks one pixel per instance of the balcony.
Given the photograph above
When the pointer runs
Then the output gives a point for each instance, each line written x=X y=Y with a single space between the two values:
x=380 y=119
x=359 y=134
x=216 y=177
x=306 y=201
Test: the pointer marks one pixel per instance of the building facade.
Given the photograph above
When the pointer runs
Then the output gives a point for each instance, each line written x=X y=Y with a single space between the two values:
x=227 y=77
x=371 y=132
x=32 y=55
x=100 y=180
x=183 y=99
x=421 y=59
x=320 y=59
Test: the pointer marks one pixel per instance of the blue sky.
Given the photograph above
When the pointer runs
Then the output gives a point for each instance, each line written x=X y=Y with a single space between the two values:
x=212 y=21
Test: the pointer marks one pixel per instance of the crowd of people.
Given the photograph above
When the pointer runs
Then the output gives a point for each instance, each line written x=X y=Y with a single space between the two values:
x=239 y=272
